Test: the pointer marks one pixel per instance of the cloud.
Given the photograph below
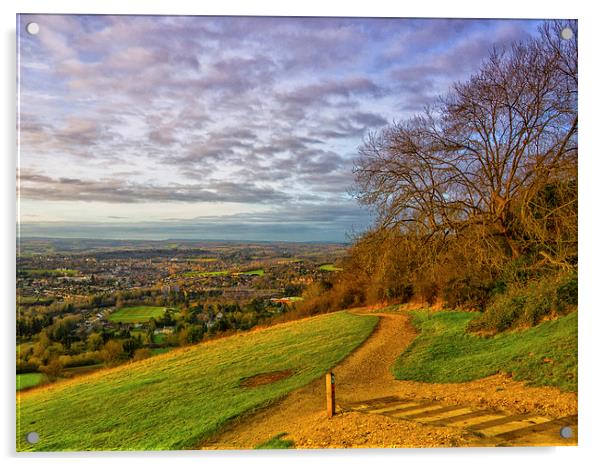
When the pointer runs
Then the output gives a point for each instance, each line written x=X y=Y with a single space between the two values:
x=420 y=82
x=319 y=93
x=41 y=187
x=253 y=110
x=368 y=120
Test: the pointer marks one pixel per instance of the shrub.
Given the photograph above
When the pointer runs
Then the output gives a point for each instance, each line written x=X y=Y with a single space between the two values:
x=112 y=352
x=528 y=305
x=501 y=314
x=468 y=293
x=142 y=353
x=53 y=370
x=427 y=291
x=83 y=359
x=30 y=365
x=567 y=293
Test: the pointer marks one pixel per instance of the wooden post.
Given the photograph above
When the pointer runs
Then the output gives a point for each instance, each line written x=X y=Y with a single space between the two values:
x=330 y=409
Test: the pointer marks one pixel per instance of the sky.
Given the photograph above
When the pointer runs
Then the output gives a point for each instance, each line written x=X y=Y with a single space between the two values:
x=245 y=128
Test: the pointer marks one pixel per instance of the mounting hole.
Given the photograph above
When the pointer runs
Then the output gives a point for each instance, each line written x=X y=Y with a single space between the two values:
x=32 y=438
x=32 y=28
x=567 y=34
x=566 y=432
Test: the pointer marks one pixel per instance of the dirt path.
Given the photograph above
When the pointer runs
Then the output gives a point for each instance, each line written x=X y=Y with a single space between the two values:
x=366 y=375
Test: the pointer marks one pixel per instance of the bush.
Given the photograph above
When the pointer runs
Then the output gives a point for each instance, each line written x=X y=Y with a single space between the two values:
x=112 y=353
x=468 y=293
x=539 y=302
x=142 y=353
x=501 y=314
x=567 y=293
x=426 y=290
x=528 y=305
x=84 y=359
x=30 y=365
x=53 y=370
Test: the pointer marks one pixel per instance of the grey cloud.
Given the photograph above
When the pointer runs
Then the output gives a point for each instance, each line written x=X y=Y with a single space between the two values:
x=35 y=186
x=163 y=136
x=286 y=144
x=335 y=182
x=368 y=120
x=422 y=81
x=310 y=161
x=322 y=91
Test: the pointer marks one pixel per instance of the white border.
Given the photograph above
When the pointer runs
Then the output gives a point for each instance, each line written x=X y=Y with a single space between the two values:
x=590 y=327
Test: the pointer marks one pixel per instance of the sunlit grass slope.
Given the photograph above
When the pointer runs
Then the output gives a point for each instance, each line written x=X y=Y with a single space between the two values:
x=443 y=352
x=174 y=400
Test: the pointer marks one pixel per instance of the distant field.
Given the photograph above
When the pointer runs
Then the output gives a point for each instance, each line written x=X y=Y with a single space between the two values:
x=330 y=268
x=174 y=400
x=29 y=380
x=259 y=272
x=46 y=273
x=204 y=259
x=543 y=355
x=130 y=315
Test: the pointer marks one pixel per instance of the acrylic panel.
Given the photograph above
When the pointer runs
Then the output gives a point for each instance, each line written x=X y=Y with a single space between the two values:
x=278 y=232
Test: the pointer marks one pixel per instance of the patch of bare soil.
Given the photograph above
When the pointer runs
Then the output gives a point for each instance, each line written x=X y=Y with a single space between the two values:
x=365 y=375
x=266 y=378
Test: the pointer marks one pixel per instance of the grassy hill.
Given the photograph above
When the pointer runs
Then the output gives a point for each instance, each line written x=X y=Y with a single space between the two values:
x=443 y=352
x=174 y=400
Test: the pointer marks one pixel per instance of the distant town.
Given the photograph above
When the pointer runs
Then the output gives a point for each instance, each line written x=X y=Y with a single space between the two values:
x=103 y=302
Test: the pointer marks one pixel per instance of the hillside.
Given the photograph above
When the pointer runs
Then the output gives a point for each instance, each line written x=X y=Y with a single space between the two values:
x=174 y=400
x=444 y=352
x=369 y=397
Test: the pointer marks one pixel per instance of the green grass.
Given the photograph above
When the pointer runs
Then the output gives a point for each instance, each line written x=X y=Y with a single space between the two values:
x=172 y=401
x=330 y=268
x=444 y=352
x=129 y=315
x=259 y=272
x=29 y=380
x=276 y=443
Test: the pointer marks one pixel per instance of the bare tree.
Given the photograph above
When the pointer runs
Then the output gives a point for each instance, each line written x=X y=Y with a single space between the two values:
x=483 y=155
